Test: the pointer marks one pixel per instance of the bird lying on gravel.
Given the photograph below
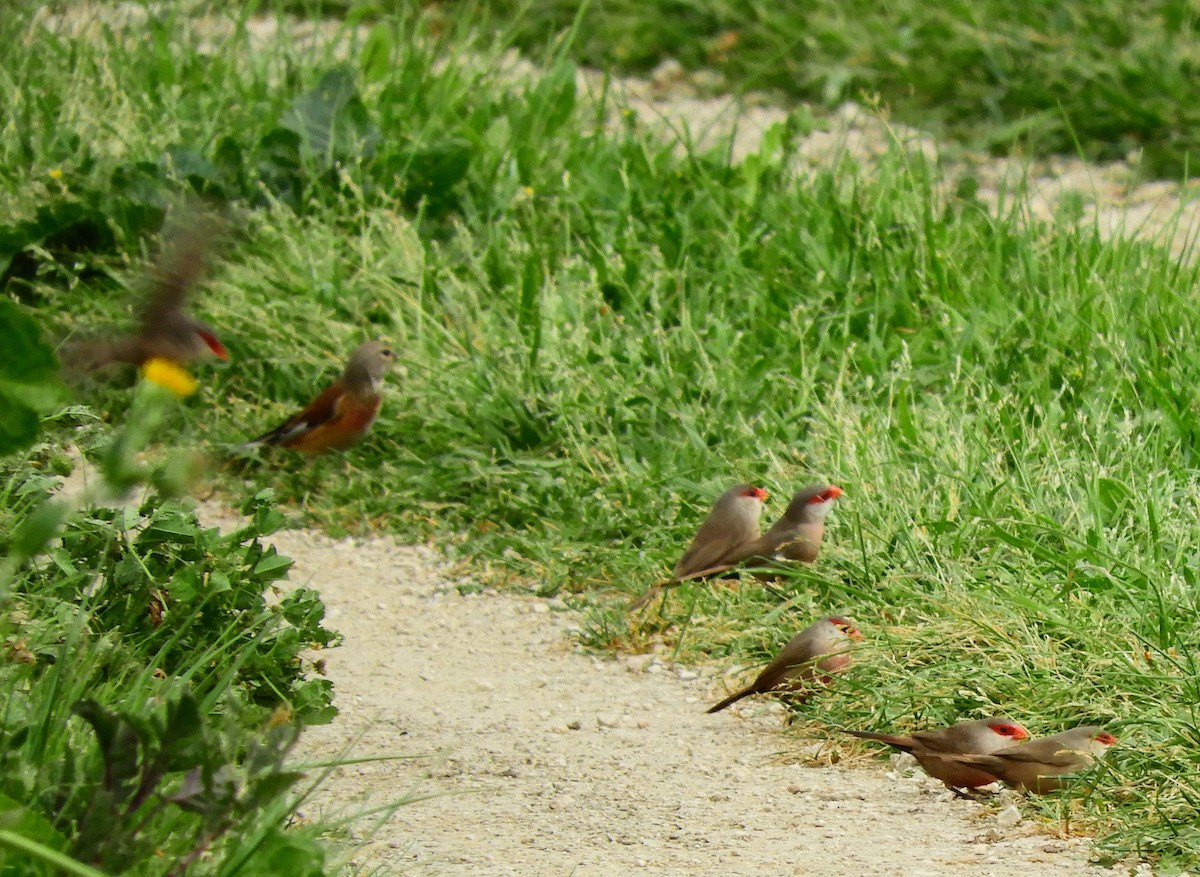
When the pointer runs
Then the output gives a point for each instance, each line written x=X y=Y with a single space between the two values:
x=977 y=737
x=820 y=649
x=1040 y=765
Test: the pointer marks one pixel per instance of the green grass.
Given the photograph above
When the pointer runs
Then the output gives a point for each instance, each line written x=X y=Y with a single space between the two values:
x=1103 y=78
x=598 y=335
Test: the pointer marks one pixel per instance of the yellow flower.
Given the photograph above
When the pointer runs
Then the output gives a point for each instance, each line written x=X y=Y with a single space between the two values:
x=55 y=174
x=169 y=376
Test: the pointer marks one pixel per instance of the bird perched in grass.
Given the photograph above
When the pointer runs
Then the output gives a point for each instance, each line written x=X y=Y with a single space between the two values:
x=798 y=532
x=166 y=331
x=821 y=649
x=1040 y=766
x=725 y=538
x=976 y=737
x=341 y=415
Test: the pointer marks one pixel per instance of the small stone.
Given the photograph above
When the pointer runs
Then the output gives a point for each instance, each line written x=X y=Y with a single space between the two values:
x=668 y=73
x=1008 y=817
x=511 y=773
x=607 y=720
x=575 y=725
x=638 y=663
x=1055 y=846
x=539 y=608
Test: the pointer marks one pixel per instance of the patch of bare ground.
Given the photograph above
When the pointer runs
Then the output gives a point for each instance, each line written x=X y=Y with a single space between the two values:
x=540 y=759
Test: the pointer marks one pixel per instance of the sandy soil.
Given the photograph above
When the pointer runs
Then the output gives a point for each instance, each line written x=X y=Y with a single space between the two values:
x=542 y=760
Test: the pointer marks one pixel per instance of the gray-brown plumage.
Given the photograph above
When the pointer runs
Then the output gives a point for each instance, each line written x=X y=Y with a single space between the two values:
x=165 y=329
x=821 y=648
x=1039 y=766
x=725 y=538
x=977 y=737
x=797 y=534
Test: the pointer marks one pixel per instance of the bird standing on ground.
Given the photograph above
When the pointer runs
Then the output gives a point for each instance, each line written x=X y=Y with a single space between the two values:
x=725 y=539
x=821 y=648
x=342 y=414
x=1040 y=765
x=797 y=534
x=977 y=737
x=166 y=331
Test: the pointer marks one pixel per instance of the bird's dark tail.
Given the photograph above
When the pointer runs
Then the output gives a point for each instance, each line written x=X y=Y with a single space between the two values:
x=732 y=699
x=904 y=744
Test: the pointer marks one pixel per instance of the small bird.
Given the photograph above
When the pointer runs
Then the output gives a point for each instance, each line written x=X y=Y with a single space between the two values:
x=822 y=646
x=342 y=414
x=724 y=540
x=977 y=737
x=166 y=331
x=797 y=534
x=1039 y=765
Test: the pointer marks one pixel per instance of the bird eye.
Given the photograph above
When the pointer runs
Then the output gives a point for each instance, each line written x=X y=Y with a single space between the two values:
x=387 y=351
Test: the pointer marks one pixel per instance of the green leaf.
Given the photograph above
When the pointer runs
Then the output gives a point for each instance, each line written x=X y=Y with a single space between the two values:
x=30 y=849
x=18 y=424
x=119 y=745
x=331 y=121
x=37 y=529
x=25 y=358
x=272 y=566
x=377 y=51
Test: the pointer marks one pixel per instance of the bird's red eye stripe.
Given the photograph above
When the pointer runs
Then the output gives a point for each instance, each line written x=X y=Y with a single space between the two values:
x=826 y=495
x=1013 y=731
x=846 y=627
x=757 y=493
x=1106 y=739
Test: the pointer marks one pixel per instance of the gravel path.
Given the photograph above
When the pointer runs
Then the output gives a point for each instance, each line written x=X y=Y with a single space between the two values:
x=542 y=760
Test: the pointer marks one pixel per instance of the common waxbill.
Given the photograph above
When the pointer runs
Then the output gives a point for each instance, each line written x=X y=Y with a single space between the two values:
x=166 y=330
x=822 y=647
x=1039 y=765
x=342 y=414
x=726 y=538
x=797 y=534
x=976 y=737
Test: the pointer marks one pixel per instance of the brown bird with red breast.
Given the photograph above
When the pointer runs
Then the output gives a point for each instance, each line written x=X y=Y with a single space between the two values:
x=821 y=649
x=976 y=737
x=797 y=534
x=341 y=415
x=726 y=538
x=1040 y=766
x=166 y=330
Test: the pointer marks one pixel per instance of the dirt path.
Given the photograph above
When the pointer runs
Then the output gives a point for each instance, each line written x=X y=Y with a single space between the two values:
x=543 y=760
